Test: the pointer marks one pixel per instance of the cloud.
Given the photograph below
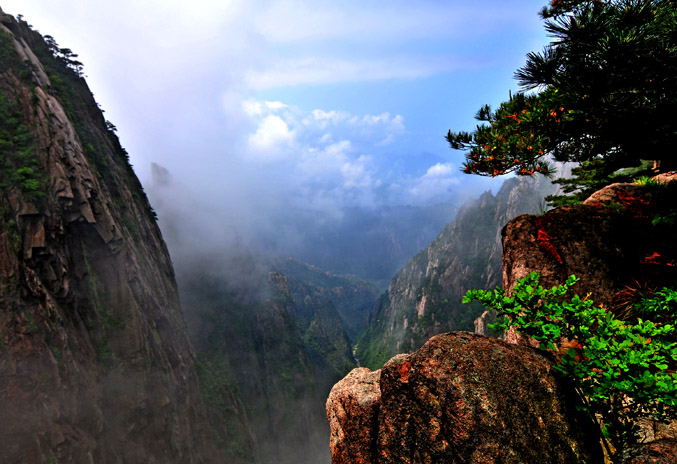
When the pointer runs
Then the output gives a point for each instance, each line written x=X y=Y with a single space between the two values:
x=326 y=157
x=271 y=138
x=435 y=184
x=314 y=70
x=439 y=170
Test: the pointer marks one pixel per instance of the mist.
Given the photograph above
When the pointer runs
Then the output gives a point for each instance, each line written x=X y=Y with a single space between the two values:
x=274 y=128
x=278 y=118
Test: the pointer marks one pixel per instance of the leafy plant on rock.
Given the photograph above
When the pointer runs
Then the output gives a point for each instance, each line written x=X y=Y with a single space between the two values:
x=623 y=370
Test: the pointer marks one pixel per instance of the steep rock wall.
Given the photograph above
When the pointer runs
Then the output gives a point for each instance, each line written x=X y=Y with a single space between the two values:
x=278 y=340
x=95 y=362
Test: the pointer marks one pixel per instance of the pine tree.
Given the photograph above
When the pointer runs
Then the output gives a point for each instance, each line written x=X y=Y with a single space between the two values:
x=603 y=93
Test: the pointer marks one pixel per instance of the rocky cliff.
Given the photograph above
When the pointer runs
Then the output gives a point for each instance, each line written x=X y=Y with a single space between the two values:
x=437 y=404
x=95 y=361
x=620 y=241
x=424 y=298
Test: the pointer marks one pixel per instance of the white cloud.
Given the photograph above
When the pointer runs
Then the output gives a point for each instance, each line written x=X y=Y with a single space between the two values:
x=357 y=174
x=435 y=184
x=439 y=170
x=272 y=137
x=327 y=156
x=295 y=71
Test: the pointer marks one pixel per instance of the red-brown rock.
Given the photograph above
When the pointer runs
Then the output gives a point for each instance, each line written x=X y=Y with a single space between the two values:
x=352 y=411
x=611 y=242
x=462 y=398
x=657 y=452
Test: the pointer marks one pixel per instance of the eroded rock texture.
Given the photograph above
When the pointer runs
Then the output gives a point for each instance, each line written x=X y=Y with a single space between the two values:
x=352 y=411
x=616 y=242
x=663 y=451
x=95 y=363
x=461 y=398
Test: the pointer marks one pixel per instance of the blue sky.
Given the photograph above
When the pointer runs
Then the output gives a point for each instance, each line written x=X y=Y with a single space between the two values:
x=261 y=106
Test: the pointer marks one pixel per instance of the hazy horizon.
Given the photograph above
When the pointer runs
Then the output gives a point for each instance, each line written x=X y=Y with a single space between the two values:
x=262 y=111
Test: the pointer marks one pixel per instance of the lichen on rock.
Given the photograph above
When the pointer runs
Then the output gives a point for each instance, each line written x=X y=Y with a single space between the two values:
x=461 y=398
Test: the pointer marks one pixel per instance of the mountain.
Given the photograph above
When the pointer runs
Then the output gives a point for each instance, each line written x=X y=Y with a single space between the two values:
x=274 y=330
x=353 y=298
x=370 y=243
x=424 y=298
x=464 y=397
x=96 y=364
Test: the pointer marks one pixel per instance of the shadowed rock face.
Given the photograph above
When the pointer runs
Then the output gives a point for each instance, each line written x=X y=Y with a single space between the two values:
x=461 y=398
x=612 y=242
x=95 y=363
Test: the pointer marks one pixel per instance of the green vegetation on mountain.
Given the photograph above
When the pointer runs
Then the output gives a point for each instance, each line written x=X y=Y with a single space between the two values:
x=272 y=340
x=606 y=98
x=352 y=298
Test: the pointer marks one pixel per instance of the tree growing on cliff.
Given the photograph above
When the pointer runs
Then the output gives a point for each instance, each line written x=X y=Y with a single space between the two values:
x=623 y=370
x=603 y=94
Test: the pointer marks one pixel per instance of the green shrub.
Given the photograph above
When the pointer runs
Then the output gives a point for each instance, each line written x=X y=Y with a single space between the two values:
x=624 y=370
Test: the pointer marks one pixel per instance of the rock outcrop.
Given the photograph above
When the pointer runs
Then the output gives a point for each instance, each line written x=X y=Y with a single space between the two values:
x=352 y=410
x=461 y=398
x=663 y=451
x=95 y=361
x=618 y=241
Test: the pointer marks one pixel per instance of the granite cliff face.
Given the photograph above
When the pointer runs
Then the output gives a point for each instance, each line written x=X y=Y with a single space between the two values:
x=619 y=240
x=95 y=361
x=424 y=298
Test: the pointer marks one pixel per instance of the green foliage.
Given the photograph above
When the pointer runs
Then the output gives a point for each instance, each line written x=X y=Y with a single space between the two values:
x=8 y=56
x=20 y=165
x=646 y=180
x=591 y=176
x=606 y=95
x=222 y=397
x=515 y=137
x=624 y=370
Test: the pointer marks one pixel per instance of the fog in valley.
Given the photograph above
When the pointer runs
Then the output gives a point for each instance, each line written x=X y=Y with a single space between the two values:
x=294 y=154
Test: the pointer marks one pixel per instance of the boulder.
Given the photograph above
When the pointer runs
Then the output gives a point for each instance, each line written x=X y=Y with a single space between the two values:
x=662 y=451
x=461 y=398
x=352 y=411
x=615 y=242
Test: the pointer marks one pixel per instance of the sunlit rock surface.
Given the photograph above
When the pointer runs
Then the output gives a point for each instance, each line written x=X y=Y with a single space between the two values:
x=461 y=398
x=615 y=242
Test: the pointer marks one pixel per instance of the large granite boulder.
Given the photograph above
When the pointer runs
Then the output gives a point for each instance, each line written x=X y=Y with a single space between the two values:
x=461 y=398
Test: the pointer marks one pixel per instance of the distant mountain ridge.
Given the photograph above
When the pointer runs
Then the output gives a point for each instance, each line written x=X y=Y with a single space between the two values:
x=424 y=298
